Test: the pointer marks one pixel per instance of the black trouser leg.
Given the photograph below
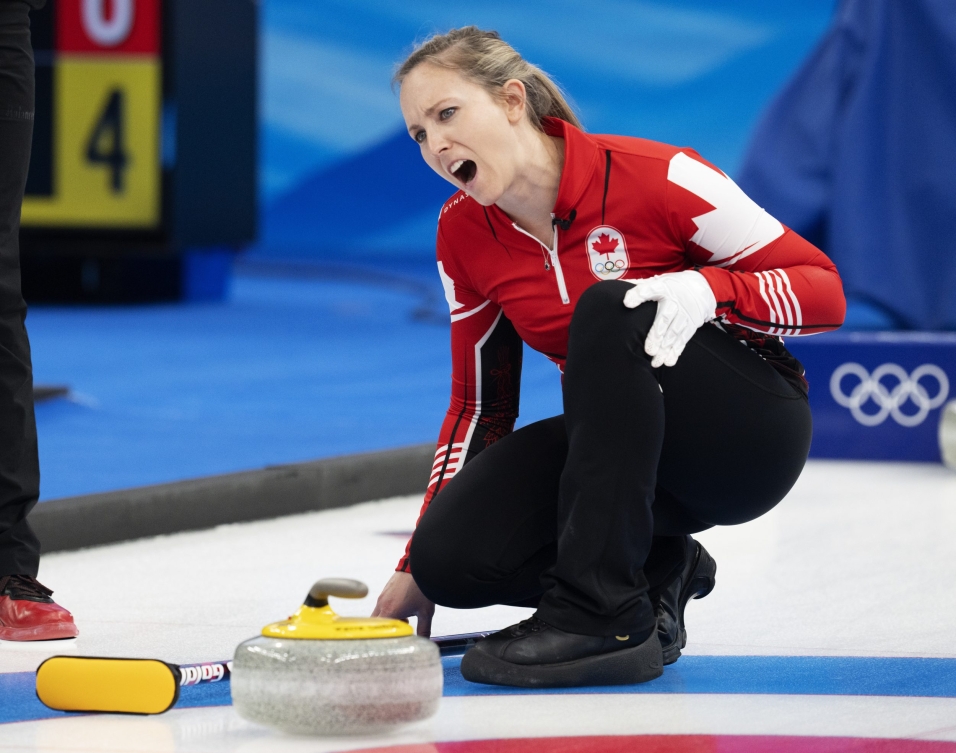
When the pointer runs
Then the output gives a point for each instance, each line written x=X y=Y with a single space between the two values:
x=487 y=540
x=665 y=562
x=19 y=466
x=614 y=416
x=717 y=439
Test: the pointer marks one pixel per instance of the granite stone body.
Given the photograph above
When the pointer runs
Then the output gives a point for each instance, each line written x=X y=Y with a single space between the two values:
x=947 y=434
x=336 y=687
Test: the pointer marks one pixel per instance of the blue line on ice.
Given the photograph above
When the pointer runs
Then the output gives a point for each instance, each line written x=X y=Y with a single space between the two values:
x=763 y=675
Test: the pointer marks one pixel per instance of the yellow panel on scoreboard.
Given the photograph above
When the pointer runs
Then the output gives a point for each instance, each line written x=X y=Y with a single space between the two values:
x=106 y=170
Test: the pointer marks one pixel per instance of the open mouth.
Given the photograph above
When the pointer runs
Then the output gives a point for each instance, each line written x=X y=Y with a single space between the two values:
x=464 y=170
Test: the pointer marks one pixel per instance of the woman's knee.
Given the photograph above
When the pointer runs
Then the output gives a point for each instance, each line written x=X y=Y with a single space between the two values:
x=600 y=315
x=433 y=565
x=454 y=574
x=444 y=565
x=600 y=300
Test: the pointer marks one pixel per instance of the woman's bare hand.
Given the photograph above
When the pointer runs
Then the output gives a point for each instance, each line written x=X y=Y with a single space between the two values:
x=401 y=599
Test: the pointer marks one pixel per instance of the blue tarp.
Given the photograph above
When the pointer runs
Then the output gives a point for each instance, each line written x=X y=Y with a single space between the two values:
x=858 y=153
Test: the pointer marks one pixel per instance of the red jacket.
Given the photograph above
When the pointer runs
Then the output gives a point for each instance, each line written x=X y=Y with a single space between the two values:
x=626 y=208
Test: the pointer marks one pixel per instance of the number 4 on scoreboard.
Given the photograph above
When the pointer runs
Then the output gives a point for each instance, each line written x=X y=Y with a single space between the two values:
x=106 y=170
x=106 y=145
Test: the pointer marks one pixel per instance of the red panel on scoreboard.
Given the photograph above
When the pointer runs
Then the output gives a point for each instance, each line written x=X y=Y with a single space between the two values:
x=120 y=27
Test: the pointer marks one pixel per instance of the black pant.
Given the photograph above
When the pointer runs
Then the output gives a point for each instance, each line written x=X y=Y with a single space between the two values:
x=19 y=466
x=588 y=512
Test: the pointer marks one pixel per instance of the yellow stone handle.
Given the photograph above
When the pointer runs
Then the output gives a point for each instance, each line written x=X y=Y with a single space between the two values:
x=344 y=588
x=315 y=619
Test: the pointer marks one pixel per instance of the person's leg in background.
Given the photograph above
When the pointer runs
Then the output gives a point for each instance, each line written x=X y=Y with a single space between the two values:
x=26 y=610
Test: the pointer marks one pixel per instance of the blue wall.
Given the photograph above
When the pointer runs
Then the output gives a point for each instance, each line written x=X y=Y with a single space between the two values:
x=340 y=180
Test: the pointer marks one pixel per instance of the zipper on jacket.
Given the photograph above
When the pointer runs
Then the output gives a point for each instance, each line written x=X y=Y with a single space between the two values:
x=555 y=261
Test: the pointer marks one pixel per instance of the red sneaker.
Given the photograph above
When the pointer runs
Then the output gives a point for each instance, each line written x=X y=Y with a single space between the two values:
x=27 y=613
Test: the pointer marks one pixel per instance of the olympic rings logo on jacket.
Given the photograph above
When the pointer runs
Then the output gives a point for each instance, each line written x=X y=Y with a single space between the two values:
x=889 y=401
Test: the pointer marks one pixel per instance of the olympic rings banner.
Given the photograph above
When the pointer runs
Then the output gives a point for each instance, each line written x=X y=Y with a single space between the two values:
x=878 y=396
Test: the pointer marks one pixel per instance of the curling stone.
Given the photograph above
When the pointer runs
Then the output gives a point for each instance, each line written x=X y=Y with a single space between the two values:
x=947 y=434
x=318 y=673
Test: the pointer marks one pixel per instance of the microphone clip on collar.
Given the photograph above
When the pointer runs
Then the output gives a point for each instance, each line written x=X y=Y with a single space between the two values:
x=564 y=224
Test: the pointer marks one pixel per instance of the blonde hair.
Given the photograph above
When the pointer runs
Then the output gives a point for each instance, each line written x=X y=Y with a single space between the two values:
x=485 y=58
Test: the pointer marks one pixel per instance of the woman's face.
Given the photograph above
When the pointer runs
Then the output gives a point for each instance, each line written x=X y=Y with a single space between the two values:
x=466 y=135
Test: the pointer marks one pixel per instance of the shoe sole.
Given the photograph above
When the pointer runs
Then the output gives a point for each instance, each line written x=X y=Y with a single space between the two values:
x=628 y=666
x=701 y=583
x=51 y=632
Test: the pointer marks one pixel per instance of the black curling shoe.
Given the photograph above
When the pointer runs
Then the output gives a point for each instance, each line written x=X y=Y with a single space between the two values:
x=533 y=654
x=696 y=580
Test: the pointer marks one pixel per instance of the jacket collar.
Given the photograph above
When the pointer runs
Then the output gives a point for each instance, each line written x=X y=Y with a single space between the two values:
x=581 y=158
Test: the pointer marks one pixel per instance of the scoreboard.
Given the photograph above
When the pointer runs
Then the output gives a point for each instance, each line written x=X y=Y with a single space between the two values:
x=97 y=138
x=144 y=147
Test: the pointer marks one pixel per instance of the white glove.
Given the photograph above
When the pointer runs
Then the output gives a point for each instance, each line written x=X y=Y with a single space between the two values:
x=684 y=302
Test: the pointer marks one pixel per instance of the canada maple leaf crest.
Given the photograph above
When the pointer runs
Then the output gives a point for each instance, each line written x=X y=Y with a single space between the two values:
x=605 y=244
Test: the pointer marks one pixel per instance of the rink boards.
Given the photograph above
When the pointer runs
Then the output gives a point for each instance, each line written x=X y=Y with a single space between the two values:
x=878 y=395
